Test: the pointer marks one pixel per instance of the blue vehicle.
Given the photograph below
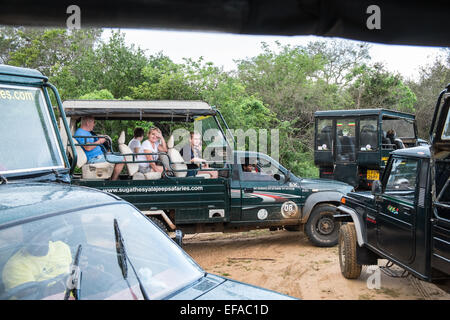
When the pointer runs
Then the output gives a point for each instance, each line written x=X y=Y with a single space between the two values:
x=59 y=241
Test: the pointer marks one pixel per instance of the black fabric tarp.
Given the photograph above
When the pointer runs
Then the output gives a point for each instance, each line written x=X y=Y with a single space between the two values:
x=401 y=22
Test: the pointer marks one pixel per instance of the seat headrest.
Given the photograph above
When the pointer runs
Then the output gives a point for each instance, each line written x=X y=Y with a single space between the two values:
x=170 y=143
x=81 y=156
x=121 y=139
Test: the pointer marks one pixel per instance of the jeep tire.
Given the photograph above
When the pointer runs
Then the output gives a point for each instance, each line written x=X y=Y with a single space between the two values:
x=321 y=229
x=350 y=269
x=159 y=224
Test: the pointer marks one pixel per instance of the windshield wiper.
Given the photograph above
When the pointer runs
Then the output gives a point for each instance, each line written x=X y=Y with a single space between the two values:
x=122 y=258
x=3 y=179
x=74 y=280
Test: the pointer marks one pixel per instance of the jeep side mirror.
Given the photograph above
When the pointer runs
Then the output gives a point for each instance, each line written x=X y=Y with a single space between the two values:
x=179 y=237
x=287 y=177
x=376 y=188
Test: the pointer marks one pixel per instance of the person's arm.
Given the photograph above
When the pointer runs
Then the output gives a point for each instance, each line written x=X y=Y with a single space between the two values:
x=100 y=141
x=162 y=146
x=150 y=158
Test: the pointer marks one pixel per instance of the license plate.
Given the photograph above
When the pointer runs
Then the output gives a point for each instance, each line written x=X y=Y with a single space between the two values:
x=373 y=175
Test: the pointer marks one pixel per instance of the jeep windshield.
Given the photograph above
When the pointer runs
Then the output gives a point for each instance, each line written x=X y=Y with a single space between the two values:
x=446 y=131
x=28 y=140
x=36 y=257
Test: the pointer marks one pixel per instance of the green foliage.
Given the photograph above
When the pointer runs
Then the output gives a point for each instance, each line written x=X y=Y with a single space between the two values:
x=103 y=94
x=433 y=79
x=374 y=87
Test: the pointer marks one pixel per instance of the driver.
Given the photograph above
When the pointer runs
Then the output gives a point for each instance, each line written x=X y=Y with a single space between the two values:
x=38 y=260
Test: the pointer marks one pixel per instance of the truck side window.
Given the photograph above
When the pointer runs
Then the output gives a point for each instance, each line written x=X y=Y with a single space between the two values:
x=345 y=140
x=324 y=135
x=402 y=178
x=368 y=137
x=260 y=170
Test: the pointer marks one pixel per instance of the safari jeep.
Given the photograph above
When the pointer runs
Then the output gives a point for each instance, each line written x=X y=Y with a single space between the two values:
x=234 y=200
x=406 y=217
x=353 y=145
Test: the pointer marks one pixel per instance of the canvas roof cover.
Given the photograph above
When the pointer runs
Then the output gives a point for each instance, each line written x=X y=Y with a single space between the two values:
x=137 y=109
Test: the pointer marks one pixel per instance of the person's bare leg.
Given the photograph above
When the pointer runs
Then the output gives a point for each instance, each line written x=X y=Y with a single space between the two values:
x=213 y=174
x=117 y=170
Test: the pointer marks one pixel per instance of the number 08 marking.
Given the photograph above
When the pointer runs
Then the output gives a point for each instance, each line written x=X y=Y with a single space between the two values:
x=289 y=209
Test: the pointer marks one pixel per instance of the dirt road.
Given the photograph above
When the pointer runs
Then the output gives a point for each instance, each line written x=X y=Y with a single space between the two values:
x=286 y=262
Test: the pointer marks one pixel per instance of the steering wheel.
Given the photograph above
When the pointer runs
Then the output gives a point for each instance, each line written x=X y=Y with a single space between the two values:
x=34 y=290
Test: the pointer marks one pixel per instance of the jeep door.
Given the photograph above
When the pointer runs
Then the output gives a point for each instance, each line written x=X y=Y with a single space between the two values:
x=440 y=169
x=265 y=193
x=396 y=218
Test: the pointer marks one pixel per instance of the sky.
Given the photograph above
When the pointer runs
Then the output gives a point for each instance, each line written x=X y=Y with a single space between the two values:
x=223 y=48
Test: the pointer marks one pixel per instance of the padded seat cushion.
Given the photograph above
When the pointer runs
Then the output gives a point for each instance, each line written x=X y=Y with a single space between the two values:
x=81 y=156
x=124 y=149
x=152 y=175
x=100 y=170
x=176 y=159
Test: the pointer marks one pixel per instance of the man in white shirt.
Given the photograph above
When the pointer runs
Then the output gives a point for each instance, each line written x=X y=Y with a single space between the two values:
x=136 y=147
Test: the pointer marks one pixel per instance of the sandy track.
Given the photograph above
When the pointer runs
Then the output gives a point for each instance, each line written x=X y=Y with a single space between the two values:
x=286 y=262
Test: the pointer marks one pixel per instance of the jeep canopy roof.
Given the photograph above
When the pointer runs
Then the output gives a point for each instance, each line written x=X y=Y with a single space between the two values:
x=180 y=110
x=364 y=112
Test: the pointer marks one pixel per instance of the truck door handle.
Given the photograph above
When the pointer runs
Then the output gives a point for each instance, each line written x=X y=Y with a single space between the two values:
x=248 y=190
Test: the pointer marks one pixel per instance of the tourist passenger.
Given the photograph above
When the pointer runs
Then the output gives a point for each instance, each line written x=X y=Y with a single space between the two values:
x=94 y=153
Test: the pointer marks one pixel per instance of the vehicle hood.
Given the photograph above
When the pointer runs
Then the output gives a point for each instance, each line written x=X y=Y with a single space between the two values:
x=25 y=200
x=316 y=185
x=363 y=197
x=213 y=287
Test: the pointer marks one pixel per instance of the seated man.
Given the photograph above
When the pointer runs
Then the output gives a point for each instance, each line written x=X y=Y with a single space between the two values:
x=94 y=154
x=37 y=263
x=195 y=150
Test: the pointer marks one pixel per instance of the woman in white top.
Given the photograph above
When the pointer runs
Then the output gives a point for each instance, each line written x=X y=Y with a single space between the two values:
x=154 y=144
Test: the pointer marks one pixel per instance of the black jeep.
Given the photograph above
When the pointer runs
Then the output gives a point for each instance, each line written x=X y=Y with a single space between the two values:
x=406 y=217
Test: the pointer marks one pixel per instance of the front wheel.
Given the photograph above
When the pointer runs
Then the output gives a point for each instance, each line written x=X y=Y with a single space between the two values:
x=159 y=224
x=350 y=269
x=321 y=229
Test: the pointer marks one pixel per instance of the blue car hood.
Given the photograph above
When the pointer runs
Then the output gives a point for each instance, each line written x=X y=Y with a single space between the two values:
x=213 y=287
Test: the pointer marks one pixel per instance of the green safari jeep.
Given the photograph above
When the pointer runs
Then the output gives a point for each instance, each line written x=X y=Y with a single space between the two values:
x=353 y=146
x=235 y=200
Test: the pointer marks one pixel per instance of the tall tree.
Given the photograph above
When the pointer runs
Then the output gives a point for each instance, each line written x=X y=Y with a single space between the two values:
x=432 y=80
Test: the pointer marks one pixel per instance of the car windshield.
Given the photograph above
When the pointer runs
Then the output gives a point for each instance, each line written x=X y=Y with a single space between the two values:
x=36 y=257
x=402 y=127
x=27 y=138
x=446 y=131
